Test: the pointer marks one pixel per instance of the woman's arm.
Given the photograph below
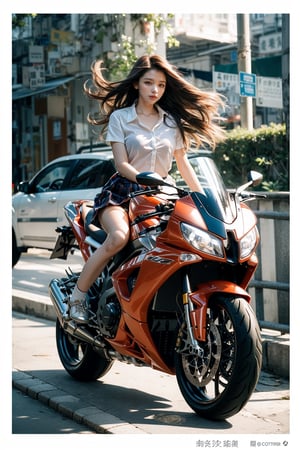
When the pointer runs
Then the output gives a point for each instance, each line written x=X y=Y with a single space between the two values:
x=124 y=168
x=186 y=170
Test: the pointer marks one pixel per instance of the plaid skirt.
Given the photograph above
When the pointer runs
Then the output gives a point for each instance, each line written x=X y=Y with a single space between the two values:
x=116 y=191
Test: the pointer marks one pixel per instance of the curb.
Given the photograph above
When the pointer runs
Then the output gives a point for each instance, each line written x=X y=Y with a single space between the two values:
x=276 y=347
x=36 y=305
x=276 y=354
x=71 y=406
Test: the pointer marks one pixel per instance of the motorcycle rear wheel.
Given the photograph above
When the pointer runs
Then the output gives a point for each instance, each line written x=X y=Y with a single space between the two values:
x=218 y=384
x=78 y=358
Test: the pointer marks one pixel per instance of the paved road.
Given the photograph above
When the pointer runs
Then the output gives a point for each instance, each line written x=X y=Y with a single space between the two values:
x=29 y=416
x=147 y=400
x=35 y=269
x=131 y=401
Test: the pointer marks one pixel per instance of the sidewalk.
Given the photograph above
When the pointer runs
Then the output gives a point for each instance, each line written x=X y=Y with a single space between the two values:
x=37 y=270
x=134 y=401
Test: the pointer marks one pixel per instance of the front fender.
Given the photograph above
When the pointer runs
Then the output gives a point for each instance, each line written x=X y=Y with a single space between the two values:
x=200 y=300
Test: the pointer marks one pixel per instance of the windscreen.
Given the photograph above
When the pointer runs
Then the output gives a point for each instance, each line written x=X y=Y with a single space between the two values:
x=215 y=198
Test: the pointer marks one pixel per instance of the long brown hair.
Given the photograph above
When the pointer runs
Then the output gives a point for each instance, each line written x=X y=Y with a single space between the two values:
x=195 y=112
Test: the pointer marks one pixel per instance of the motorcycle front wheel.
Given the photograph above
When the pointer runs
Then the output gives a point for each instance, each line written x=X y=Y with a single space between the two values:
x=78 y=358
x=218 y=379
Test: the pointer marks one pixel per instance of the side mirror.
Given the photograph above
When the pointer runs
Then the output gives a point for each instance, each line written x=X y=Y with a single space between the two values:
x=151 y=179
x=23 y=186
x=255 y=177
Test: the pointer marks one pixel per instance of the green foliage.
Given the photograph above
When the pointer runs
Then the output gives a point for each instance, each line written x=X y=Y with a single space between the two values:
x=120 y=62
x=264 y=149
x=159 y=21
x=19 y=20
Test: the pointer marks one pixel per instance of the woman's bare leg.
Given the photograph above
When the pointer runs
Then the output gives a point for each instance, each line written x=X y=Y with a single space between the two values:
x=114 y=220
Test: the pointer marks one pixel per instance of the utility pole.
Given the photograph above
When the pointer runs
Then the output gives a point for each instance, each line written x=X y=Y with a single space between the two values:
x=244 y=65
x=286 y=71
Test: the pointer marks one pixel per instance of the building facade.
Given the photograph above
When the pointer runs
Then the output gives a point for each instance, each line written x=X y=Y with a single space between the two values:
x=52 y=55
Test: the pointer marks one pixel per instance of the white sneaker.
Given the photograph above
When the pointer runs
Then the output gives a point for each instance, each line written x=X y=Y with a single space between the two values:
x=78 y=311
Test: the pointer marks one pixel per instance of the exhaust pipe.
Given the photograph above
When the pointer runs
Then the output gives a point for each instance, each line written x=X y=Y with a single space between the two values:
x=57 y=300
x=68 y=325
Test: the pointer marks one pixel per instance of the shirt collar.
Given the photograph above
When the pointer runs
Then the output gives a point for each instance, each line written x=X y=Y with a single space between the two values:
x=132 y=115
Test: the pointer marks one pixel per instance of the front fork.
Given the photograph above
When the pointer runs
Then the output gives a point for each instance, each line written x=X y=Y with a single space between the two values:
x=191 y=343
x=195 y=306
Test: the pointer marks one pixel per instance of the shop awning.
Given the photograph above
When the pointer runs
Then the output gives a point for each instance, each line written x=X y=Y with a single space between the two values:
x=202 y=74
x=263 y=67
x=23 y=92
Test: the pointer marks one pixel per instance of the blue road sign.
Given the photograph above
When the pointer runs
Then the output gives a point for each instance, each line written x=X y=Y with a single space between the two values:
x=247 y=84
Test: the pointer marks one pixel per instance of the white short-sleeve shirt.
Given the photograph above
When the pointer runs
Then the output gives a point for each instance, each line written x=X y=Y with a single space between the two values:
x=148 y=149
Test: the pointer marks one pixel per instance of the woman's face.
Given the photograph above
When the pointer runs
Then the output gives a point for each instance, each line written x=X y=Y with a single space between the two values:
x=151 y=86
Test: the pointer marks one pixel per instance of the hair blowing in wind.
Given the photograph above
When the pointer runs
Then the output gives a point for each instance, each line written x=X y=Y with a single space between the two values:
x=196 y=112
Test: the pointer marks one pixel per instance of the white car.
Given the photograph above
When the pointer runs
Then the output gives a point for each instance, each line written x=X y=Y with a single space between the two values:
x=37 y=207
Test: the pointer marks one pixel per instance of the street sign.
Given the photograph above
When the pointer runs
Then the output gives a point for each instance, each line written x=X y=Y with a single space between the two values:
x=269 y=92
x=247 y=84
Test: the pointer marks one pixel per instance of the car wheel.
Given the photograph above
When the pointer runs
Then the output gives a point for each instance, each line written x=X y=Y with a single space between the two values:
x=15 y=251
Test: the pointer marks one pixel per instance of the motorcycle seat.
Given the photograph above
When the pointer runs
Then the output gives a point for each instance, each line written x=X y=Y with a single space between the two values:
x=92 y=229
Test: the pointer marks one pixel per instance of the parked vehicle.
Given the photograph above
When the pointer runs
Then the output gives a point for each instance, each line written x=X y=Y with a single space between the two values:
x=37 y=207
x=175 y=297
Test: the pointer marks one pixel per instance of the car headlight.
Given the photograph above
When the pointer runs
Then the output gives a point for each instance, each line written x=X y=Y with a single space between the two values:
x=202 y=241
x=248 y=243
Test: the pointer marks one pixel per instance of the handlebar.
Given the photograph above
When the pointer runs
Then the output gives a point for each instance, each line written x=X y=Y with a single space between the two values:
x=160 y=210
x=245 y=196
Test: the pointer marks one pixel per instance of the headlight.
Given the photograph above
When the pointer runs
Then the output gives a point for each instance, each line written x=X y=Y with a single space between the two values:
x=248 y=242
x=202 y=241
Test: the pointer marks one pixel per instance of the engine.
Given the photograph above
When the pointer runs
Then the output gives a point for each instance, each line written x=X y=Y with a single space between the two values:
x=108 y=313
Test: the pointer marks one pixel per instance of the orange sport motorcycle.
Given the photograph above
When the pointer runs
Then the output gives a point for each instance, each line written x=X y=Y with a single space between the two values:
x=175 y=297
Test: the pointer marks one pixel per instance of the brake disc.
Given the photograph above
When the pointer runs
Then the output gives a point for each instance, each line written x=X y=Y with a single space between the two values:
x=200 y=370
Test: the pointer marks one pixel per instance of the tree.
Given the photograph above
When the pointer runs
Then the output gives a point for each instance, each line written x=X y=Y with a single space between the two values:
x=130 y=35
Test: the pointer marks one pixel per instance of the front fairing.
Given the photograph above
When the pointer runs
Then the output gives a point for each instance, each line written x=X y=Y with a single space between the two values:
x=223 y=219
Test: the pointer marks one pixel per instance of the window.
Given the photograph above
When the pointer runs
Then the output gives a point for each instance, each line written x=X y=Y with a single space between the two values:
x=90 y=174
x=52 y=178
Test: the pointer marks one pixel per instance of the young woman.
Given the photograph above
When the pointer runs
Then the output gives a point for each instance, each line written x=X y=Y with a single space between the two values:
x=151 y=117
